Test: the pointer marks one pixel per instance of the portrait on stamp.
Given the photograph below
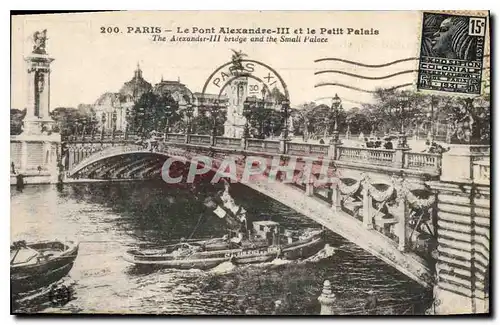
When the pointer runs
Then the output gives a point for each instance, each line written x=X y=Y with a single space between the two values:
x=451 y=53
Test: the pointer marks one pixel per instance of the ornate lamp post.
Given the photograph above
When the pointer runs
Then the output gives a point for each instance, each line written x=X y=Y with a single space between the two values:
x=214 y=112
x=306 y=129
x=103 y=124
x=141 y=114
x=113 y=121
x=430 y=131
x=168 y=115
x=402 y=136
x=348 y=131
x=285 y=110
x=327 y=124
x=92 y=124
x=417 y=118
x=127 y=117
x=449 y=128
x=189 y=115
x=272 y=125
x=77 y=128
x=336 y=107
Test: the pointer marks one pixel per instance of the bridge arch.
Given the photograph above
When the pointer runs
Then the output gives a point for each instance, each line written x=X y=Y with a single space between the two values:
x=308 y=205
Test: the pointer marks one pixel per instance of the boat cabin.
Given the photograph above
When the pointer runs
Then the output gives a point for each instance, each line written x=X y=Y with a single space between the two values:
x=268 y=230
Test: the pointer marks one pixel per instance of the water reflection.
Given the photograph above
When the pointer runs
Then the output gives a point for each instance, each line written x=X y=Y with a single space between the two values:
x=109 y=218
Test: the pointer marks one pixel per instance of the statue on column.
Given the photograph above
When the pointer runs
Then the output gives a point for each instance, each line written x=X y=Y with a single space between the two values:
x=39 y=41
x=236 y=59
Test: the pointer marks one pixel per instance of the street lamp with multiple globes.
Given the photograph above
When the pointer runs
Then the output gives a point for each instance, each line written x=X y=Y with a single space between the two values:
x=214 y=113
x=285 y=110
x=417 y=118
x=167 y=116
x=141 y=115
x=402 y=114
x=247 y=113
x=113 y=120
x=103 y=122
x=127 y=119
x=189 y=115
x=348 y=131
x=336 y=107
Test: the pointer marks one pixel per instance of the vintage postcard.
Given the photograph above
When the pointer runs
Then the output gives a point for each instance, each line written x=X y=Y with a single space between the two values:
x=250 y=163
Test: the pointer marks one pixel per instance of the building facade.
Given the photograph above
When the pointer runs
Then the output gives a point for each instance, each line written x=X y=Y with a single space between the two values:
x=110 y=103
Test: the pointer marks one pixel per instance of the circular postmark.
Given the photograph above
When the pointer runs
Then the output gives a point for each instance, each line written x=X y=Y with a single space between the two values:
x=259 y=77
x=242 y=83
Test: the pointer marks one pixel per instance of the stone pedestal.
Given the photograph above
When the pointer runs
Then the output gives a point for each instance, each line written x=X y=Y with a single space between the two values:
x=40 y=153
x=332 y=149
x=283 y=145
x=463 y=248
x=327 y=299
x=457 y=163
x=234 y=126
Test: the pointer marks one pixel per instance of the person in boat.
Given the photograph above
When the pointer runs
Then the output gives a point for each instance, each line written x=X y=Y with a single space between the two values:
x=239 y=235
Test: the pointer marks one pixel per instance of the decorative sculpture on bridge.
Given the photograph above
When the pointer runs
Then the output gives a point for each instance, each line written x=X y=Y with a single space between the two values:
x=39 y=42
x=236 y=59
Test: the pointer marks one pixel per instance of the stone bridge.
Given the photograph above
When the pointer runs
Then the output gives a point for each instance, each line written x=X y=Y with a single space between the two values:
x=425 y=214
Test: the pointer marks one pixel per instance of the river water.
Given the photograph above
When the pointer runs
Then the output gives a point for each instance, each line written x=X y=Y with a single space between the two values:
x=109 y=218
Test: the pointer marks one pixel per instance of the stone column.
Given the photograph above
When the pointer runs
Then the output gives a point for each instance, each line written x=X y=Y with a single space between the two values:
x=457 y=163
x=336 y=197
x=367 y=208
x=401 y=225
x=332 y=150
x=399 y=157
x=71 y=157
x=283 y=146
x=327 y=299
x=244 y=143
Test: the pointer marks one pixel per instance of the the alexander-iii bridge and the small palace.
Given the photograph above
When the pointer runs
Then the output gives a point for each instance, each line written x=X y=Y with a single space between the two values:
x=426 y=214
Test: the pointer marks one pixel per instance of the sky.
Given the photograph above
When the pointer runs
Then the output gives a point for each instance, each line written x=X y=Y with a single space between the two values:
x=88 y=63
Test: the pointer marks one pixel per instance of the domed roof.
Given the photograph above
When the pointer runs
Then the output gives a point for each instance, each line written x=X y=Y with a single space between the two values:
x=136 y=86
x=113 y=99
x=178 y=91
x=109 y=99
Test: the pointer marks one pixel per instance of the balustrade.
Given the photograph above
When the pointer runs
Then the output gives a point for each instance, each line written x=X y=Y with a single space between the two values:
x=225 y=142
x=175 y=138
x=199 y=139
x=263 y=145
x=481 y=171
x=373 y=156
x=388 y=209
x=417 y=160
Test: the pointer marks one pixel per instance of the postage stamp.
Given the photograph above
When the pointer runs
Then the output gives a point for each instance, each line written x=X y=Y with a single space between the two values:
x=451 y=53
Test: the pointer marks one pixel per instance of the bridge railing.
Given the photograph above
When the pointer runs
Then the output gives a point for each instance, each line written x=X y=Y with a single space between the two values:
x=420 y=160
x=225 y=142
x=200 y=139
x=305 y=149
x=269 y=146
x=175 y=138
x=370 y=155
x=108 y=151
x=481 y=171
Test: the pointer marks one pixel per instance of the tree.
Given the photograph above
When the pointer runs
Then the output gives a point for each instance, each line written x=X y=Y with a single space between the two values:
x=16 y=121
x=154 y=112
x=469 y=118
